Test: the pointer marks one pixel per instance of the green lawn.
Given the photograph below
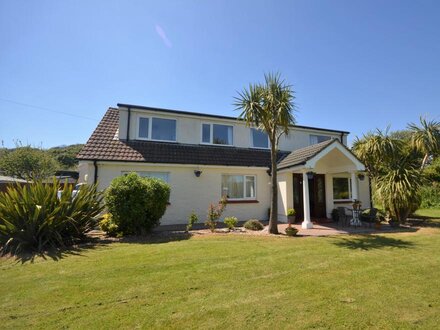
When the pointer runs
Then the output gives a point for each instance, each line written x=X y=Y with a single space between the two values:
x=431 y=213
x=231 y=281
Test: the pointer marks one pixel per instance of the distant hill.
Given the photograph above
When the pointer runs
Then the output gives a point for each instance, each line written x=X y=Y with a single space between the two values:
x=66 y=155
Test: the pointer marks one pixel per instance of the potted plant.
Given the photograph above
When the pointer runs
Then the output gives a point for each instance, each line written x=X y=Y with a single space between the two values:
x=291 y=231
x=356 y=204
x=291 y=216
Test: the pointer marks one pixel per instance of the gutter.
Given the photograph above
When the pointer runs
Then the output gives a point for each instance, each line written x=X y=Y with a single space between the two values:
x=95 y=176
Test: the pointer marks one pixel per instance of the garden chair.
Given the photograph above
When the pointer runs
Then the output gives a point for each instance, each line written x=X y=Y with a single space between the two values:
x=370 y=218
x=344 y=218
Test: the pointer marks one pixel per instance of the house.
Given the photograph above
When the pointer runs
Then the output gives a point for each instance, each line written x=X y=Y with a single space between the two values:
x=204 y=156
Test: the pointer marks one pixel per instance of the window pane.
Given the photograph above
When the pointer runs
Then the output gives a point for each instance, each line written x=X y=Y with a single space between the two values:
x=206 y=133
x=341 y=188
x=232 y=186
x=250 y=186
x=158 y=175
x=164 y=129
x=143 y=127
x=318 y=138
x=222 y=134
x=259 y=139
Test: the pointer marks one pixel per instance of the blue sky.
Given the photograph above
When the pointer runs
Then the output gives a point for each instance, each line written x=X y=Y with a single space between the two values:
x=355 y=65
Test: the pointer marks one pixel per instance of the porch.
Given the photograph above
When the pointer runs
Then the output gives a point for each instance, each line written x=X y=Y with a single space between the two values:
x=317 y=179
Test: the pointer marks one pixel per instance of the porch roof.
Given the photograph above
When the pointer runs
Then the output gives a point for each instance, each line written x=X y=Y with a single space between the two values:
x=314 y=152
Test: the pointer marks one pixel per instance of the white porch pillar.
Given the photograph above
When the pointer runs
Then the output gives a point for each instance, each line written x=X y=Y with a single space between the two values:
x=307 y=224
x=354 y=186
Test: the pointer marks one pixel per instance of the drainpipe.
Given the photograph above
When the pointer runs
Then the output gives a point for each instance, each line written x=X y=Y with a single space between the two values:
x=370 y=190
x=128 y=123
x=95 y=177
x=342 y=138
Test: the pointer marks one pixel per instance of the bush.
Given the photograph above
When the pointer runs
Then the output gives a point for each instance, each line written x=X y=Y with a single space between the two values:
x=291 y=231
x=34 y=219
x=192 y=219
x=214 y=213
x=108 y=225
x=137 y=203
x=253 y=225
x=430 y=196
x=231 y=222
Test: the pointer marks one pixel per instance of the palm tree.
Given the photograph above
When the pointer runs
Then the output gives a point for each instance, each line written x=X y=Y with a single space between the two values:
x=393 y=170
x=426 y=138
x=269 y=107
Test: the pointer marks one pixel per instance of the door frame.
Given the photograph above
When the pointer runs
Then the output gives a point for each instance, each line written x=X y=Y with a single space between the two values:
x=317 y=210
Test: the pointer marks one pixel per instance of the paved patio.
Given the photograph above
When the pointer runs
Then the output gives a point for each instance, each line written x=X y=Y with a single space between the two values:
x=327 y=229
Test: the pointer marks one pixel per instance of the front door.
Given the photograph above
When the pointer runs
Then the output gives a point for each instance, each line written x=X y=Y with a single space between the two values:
x=316 y=196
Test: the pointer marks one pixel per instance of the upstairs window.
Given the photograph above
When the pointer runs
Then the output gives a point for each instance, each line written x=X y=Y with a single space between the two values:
x=217 y=134
x=314 y=139
x=159 y=129
x=259 y=139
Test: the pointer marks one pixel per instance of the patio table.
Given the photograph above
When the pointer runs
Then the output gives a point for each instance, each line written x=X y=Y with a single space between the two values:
x=356 y=221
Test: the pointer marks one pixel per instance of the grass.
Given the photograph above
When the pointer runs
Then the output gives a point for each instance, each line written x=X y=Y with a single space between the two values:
x=430 y=213
x=230 y=281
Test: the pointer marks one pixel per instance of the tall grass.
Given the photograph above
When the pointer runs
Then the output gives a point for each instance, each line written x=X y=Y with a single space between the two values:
x=34 y=219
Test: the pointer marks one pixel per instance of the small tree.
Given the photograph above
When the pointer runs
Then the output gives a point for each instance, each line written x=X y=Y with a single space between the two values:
x=214 y=213
x=137 y=203
x=28 y=163
x=269 y=107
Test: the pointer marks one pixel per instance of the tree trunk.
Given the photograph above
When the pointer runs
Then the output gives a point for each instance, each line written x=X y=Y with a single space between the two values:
x=425 y=159
x=273 y=220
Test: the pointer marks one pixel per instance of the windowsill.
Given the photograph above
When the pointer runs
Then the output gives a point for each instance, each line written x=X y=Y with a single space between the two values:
x=242 y=201
x=216 y=144
x=153 y=140
x=347 y=201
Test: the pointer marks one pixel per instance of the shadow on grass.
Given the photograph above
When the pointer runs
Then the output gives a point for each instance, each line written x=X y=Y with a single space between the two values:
x=424 y=221
x=98 y=241
x=371 y=242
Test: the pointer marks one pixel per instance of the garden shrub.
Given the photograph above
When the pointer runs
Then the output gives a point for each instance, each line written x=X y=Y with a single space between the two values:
x=214 y=213
x=430 y=196
x=108 y=225
x=34 y=219
x=192 y=219
x=291 y=231
x=231 y=222
x=136 y=203
x=253 y=224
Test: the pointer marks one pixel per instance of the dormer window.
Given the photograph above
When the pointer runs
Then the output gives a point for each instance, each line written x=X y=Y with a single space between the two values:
x=158 y=129
x=217 y=134
x=259 y=138
x=314 y=139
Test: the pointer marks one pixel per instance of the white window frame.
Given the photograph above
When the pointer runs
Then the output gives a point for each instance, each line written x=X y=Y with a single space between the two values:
x=150 y=128
x=244 y=198
x=144 y=176
x=349 y=189
x=211 y=134
x=252 y=139
x=318 y=135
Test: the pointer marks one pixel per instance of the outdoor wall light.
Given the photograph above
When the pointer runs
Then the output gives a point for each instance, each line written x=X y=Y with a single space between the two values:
x=197 y=173
x=310 y=175
x=361 y=176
